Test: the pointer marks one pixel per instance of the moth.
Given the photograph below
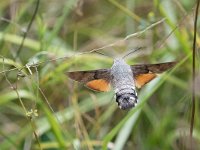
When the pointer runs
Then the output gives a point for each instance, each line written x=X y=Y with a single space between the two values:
x=122 y=77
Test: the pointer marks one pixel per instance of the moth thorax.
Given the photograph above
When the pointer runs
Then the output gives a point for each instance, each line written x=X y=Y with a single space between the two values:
x=126 y=98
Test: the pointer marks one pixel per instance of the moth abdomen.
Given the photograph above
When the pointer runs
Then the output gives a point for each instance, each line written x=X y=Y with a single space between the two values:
x=126 y=98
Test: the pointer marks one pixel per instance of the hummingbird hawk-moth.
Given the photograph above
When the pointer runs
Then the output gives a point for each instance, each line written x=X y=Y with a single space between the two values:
x=122 y=77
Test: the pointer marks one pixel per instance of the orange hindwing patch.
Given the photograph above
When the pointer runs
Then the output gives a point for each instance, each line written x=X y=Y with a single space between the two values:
x=142 y=79
x=99 y=85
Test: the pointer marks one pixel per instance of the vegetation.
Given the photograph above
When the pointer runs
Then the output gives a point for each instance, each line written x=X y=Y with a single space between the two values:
x=43 y=109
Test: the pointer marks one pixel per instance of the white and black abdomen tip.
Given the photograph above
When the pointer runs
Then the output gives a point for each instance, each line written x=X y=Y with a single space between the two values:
x=126 y=100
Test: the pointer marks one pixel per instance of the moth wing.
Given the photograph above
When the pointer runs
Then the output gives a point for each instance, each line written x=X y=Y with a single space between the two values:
x=152 y=68
x=144 y=73
x=98 y=80
x=99 y=85
x=142 y=79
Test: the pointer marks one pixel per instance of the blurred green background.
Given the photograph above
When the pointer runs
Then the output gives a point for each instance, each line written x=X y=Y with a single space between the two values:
x=40 y=108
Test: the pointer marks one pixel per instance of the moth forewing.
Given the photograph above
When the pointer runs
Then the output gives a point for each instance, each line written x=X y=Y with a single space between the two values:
x=152 y=68
x=86 y=76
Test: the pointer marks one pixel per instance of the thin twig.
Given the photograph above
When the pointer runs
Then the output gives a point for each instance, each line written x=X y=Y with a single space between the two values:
x=27 y=30
x=15 y=89
x=194 y=70
x=141 y=32
x=23 y=106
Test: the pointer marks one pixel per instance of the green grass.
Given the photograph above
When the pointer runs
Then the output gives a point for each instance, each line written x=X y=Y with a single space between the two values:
x=70 y=116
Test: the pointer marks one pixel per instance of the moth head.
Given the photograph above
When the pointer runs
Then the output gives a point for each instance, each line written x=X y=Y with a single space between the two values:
x=127 y=100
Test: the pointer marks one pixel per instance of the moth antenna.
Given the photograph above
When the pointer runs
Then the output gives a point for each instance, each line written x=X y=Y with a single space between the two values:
x=132 y=51
x=102 y=54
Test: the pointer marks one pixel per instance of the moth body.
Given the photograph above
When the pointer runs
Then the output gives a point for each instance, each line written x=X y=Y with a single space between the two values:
x=123 y=83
